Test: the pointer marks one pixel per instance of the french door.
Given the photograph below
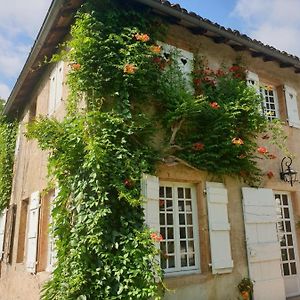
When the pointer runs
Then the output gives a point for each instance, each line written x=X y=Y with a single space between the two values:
x=288 y=244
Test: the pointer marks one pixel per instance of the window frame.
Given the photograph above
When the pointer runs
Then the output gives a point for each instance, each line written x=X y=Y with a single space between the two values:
x=178 y=270
x=263 y=89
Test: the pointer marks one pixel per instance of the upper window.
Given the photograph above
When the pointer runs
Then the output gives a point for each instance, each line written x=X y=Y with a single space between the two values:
x=56 y=87
x=270 y=102
x=178 y=228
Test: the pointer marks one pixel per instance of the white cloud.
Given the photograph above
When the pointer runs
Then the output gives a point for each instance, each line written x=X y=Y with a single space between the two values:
x=4 y=91
x=274 y=22
x=20 y=22
x=19 y=16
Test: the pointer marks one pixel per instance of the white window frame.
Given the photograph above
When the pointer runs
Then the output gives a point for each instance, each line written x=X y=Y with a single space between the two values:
x=270 y=113
x=178 y=270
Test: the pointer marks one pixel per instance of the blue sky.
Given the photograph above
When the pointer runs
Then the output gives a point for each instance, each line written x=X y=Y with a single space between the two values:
x=274 y=22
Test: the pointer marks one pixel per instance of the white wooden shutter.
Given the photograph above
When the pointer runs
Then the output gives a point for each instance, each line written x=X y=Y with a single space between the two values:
x=51 y=240
x=32 y=234
x=52 y=92
x=263 y=249
x=185 y=60
x=18 y=139
x=292 y=106
x=59 y=83
x=219 y=228
x=253 y=80
x=150 y=193
x=2 y=231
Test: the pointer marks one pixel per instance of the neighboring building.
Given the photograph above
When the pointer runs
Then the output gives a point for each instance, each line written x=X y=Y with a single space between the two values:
x=221 y=232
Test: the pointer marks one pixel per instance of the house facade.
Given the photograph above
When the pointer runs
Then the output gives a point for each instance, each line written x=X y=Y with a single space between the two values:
x=215 y=231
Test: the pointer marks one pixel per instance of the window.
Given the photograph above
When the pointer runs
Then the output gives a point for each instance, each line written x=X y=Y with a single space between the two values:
x=270 y=102
x=286 y=232
x=178 y=227
x=56 y=87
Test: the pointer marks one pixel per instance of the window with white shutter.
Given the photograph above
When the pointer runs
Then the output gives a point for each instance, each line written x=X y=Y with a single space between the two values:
x=185 y=61
x=219 y=228
x=2 y=231
x=178 y=227
x=32 y=233
x=292 y=106
x=56 y=87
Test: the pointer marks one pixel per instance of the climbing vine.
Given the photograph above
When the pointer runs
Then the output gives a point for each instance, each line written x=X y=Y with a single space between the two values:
x=7 y=147
x=137 y=108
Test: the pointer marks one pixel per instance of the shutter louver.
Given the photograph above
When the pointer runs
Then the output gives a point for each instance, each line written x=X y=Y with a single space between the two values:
x=59 y=83
x=292 y=106
x=219 y=228
x=2 y=232
x=52 y=92
x=32 y=234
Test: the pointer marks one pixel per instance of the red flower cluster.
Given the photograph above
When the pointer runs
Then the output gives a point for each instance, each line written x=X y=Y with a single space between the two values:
x=262 y=150
x=198 y=146
x=128 y=183
x=156 y=237
x=143 y=37
x=129 y=69
x=76 y=66
x=270 y=174
x=214 y=105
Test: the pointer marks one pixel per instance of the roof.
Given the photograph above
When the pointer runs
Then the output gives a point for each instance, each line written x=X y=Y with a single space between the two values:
x=61 y=15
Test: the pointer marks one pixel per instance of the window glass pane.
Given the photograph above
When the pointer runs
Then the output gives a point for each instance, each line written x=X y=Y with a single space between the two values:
x=180 y=193
x=286 y=269
x=169 y=219
x=182 y=232
x=168 y=192
x=171 y=262
x=293 y=268
x=170 y=249
x=190 y=233
x=289 y=240
x=191 y=259
x=183 y=248
x=169 y=205
x=187 y=193
x=288 y=226
x=161 y=191
x=189 y=218
x=284 y=200
x=181 y=205
x=191 y=246
x=163 y=232
x=163 y=247
x=181 y=219
x=170 y=233
x=286 y=213
x=163 y=262
x=291 y=254
x=284 y=254
x=162 y=205
x=162 y=219
x=188 y=206
x=183 y=260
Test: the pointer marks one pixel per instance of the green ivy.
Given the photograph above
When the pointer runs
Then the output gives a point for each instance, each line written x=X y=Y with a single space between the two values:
x=137 y=109
x=7 y=148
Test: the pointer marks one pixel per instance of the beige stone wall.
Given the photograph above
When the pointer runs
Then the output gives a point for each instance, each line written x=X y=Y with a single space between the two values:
x=31 y=169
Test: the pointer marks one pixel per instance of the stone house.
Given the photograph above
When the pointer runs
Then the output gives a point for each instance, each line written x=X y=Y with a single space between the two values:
x=218 y=232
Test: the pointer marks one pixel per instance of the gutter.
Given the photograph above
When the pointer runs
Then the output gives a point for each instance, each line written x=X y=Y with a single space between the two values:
x=50 y=18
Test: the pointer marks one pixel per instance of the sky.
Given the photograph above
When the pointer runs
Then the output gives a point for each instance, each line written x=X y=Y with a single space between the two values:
x=274 y=22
